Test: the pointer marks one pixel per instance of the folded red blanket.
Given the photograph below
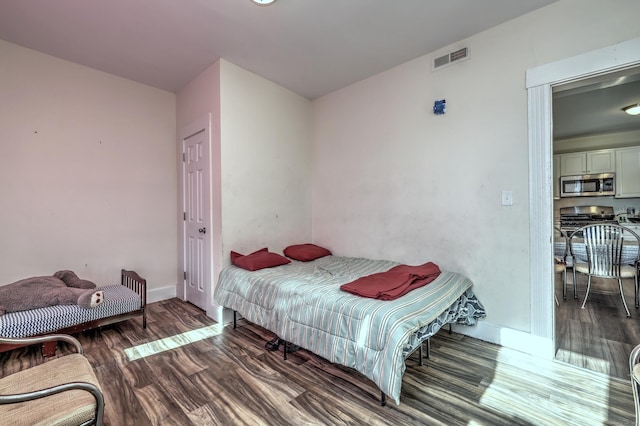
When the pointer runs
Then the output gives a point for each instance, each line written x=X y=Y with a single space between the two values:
x=393 y=283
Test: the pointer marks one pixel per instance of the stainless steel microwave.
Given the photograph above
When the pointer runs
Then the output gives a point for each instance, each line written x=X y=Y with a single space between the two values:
x=588 y=185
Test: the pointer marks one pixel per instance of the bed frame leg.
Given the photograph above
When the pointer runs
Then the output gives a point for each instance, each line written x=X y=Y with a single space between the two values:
x=421 y=354
x=383 y=399
x=450 y=330
x=234 y=319
x=284 y=346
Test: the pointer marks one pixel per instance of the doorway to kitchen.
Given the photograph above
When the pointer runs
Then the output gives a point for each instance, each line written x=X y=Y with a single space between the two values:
x=539 y=84
x=591 y=133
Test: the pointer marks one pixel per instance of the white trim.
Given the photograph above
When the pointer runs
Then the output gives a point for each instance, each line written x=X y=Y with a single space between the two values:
x=221 y=314
x=601 y=61
x=507 y=337
x=539 y=82
x=541 y=214
x=158 y=294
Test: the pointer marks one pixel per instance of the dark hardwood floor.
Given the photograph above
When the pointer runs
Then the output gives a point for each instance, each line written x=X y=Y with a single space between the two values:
x=187 y=370
x=600 y=336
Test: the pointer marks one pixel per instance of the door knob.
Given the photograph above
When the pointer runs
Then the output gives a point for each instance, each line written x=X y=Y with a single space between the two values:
x=202 y=230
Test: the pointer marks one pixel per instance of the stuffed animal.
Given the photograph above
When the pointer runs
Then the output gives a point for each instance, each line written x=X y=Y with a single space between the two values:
x=38 y=292
x=72 y=280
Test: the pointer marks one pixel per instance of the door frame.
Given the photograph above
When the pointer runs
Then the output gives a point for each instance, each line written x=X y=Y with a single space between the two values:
x=202 y=124
x=539 y=84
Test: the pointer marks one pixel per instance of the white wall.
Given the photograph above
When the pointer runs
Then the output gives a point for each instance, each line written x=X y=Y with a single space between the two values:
x=393 y=180
x=389 y=179
x=266 y=163
x=87 y=172
x=199 y=101
x=261 y=161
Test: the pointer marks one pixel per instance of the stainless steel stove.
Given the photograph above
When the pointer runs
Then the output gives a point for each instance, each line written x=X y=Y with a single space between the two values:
x=572 y=218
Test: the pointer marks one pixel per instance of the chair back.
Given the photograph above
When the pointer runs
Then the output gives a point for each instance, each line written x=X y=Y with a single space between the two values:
x=563 y=254
x=607 y=247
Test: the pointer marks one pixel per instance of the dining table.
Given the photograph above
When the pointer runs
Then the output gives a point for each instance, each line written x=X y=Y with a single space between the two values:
x=578 y=253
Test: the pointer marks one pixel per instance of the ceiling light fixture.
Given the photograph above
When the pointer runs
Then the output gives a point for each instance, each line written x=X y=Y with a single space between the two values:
x=632 y=109
x=263 y=2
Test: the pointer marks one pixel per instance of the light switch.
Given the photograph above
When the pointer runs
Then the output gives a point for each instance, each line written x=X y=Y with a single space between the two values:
x=507 y=198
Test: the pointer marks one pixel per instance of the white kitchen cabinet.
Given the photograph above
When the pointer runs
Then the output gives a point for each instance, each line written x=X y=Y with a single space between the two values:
x=628 y=172
x=603 y=161
x=573 y=164
x=578 y=163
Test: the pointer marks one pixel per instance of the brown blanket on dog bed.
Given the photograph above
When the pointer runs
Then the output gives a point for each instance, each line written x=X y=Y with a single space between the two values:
x=38 y=292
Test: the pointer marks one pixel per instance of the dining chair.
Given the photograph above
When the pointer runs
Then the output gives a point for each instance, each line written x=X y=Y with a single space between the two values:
x=561 y=264
x=607 y=251
x=60 y=391
x=634 y=369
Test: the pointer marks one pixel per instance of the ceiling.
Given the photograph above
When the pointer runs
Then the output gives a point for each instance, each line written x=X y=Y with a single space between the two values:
x=312 y=47
x=594 y=106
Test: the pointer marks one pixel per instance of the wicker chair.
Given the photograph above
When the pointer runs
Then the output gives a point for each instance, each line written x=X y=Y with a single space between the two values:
x=60 y=391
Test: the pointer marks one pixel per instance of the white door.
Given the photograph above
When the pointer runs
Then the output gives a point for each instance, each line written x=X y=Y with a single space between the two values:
x=197 y=218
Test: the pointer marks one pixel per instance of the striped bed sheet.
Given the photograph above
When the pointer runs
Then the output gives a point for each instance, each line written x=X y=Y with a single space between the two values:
x=302 y=303
x=118 y=299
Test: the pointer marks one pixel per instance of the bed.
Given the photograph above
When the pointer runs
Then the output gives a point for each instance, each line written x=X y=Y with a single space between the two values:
x=121 y=302
x=302 y=303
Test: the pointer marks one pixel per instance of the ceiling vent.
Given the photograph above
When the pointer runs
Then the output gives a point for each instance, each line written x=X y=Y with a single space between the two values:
x=450 y=58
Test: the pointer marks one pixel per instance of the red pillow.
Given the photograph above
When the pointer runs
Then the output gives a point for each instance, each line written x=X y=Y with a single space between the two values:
x=258 y=260
x=235 y=255
x=306 y=252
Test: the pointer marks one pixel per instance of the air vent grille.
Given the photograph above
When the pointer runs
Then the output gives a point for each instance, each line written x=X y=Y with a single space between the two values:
x=449 y=58
x=441 y=61
x=458 y=54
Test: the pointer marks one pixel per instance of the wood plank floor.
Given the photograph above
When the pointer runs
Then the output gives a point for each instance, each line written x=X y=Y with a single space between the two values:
x=600 y=336
x=187 y=370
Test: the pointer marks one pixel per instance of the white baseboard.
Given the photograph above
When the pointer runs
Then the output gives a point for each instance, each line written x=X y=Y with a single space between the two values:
x=509 y=338
x=214 y=311
x=163 y=293
x=220 y=314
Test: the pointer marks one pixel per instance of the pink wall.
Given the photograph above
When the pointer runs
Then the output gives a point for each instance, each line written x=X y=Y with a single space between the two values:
x=261 y=162
x=198 y=101
x=87 y=172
